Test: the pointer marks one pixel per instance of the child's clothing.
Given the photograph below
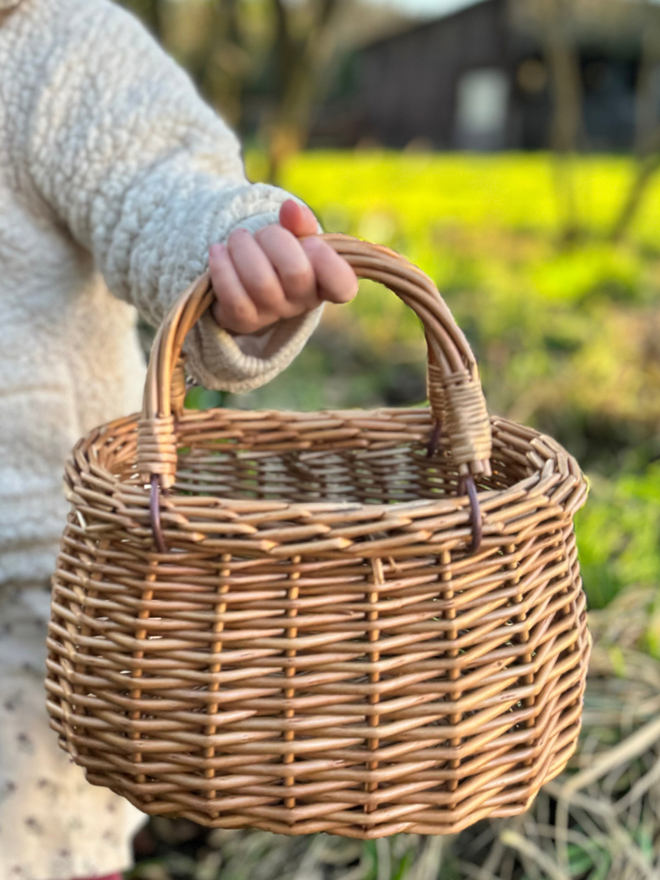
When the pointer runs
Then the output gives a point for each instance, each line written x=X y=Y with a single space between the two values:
x=53 y=823
x=113 y=176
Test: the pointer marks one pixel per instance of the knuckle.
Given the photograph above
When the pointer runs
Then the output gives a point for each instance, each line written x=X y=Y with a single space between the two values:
x=216 y=263
x=237 y=236
x=241 y=316
x=265 y=233
x=293 y=309
x=343 y=288
x=298 y=281
x=267 y=289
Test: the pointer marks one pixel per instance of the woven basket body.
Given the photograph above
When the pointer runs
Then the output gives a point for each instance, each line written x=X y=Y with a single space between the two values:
x=314 y=641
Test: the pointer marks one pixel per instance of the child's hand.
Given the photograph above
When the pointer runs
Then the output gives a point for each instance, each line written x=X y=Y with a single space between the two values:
x=279 y=272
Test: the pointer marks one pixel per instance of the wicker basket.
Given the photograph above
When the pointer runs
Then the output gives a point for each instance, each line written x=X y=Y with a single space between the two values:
x=350 y=622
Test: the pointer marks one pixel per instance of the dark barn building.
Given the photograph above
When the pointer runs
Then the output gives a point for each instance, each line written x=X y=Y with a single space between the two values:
x=477 y=79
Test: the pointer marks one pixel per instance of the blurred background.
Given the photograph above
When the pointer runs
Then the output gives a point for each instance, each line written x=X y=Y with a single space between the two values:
x=510 y=148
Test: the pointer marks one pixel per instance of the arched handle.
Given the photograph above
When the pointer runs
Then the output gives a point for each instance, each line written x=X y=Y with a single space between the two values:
x=454 y=388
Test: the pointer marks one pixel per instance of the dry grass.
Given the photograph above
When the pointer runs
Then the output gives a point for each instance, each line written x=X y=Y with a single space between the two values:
x=598 y=821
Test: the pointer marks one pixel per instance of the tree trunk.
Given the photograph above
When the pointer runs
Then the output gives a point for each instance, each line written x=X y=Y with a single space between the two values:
x=300 y=64
x=646 y=169
x=152 y=14
x=647 y=126
x=564 y=66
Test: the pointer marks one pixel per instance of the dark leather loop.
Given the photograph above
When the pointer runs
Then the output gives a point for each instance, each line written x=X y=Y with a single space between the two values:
x=154 y=509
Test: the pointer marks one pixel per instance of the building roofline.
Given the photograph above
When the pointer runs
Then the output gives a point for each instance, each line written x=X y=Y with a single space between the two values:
x=430 y=22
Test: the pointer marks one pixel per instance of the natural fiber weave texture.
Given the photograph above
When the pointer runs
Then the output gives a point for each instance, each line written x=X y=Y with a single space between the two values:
x=319 y=649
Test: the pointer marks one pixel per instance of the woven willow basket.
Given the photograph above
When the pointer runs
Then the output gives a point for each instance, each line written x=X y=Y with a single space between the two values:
x=354 y=622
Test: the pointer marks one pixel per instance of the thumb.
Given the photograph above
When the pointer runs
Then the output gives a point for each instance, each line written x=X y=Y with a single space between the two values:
x=298 y=219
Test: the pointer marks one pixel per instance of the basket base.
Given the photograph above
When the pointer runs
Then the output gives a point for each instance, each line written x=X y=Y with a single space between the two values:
x=369 y=826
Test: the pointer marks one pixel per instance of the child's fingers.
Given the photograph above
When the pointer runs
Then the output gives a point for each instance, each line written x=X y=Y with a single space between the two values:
x=298 y=219
x=256 y=273
x=336 y=281
x=291 y=264
x=233 y=309
x=272 y=275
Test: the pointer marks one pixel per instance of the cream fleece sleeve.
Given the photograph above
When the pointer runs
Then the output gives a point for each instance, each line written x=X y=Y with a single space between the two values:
x=113 y=136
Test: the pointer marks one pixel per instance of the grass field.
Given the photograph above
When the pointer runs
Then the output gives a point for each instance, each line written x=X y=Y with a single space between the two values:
x=568 y=339
x=416 y=191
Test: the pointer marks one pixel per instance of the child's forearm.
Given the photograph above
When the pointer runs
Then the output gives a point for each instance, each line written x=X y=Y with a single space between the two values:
x=115 y=140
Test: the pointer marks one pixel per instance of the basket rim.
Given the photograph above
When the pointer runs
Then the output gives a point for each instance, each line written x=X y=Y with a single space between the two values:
x=564 y=464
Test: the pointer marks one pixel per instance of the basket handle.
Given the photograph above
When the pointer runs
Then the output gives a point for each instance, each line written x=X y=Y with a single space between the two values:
x=454 y=388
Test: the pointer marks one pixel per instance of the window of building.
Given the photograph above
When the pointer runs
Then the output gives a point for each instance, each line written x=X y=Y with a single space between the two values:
x=481 y=109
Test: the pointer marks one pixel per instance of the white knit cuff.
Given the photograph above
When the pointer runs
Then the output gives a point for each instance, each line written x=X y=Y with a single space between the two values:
x=240 y=363
x=225 y=362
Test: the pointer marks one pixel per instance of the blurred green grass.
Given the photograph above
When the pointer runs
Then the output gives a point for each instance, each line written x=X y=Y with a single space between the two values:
x=568 y=339
x=413 y=191
x=567 y=336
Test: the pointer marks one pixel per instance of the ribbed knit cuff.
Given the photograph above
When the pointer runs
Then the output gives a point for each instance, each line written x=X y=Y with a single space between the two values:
x=225 y=362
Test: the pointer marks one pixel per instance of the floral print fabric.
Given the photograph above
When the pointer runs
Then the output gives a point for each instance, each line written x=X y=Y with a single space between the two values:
x=54 y=825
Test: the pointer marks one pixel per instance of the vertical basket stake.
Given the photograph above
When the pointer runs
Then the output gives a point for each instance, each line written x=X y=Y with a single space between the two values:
x=154 y=509
x=434 y=439
x=467 y=486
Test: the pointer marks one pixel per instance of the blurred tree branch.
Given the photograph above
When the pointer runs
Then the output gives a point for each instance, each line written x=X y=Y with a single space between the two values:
x=151 y=13
x=553 y=24
x=563 y=61
x=303 y=46
x=647 y=124
x=220 y=62
x=228 y=46
x=555 y=21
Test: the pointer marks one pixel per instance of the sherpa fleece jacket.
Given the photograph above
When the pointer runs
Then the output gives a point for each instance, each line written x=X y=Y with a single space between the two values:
x=114 y=180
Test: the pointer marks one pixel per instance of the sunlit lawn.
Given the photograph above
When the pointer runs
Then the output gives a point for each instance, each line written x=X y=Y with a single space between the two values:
x=569 y=341
x=567 y=337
